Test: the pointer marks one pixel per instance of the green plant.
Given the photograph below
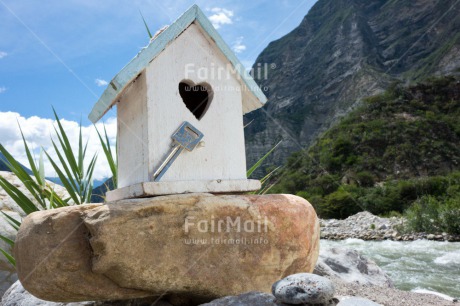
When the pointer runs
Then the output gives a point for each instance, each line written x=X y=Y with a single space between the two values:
x=433 y=215
x=449 y=215
x=111 y=158
x=146 y=26
x=423 y=215
x=265 y=181
x=251 y=170
x=339 y=205
x=76 y=178
x=365 y=179
x=36 y=184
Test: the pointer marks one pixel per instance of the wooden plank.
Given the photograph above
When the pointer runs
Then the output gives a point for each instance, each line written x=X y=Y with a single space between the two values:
x=150 y=189
x=133 y=133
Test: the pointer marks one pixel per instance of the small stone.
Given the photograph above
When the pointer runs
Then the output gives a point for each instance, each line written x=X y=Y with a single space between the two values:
x=356 y=301
x=303 y=288
x=249 y=298
x=430 y=237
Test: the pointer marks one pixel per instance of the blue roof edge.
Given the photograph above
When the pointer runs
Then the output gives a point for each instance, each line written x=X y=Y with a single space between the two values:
x=146 y=55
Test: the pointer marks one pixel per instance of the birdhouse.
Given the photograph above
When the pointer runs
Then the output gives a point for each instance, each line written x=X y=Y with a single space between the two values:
x=180 y=105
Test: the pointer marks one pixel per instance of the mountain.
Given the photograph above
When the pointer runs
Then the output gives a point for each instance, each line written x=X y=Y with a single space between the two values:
x=100 y=190
x=389 y=152
x=57 y=180
x=342 y=51
x=4 y=167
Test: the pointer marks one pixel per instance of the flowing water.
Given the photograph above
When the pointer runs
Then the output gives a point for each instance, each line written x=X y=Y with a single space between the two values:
x=420 y=264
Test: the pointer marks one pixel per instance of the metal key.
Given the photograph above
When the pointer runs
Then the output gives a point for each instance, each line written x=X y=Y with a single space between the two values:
x=186 y=137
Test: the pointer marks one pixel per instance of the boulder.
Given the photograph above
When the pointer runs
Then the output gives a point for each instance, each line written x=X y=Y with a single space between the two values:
x=304 y=288
x=11 y=208
x=7 y=276
x=7 y=271
x=8 y=204
x=53 y=259
x=350 y=266
x=16 y=295
x=198 y=246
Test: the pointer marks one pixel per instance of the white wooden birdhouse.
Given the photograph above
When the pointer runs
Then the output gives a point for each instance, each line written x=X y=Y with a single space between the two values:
x=180 y=105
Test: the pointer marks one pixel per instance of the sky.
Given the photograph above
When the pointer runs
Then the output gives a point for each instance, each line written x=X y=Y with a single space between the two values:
x=62 y=54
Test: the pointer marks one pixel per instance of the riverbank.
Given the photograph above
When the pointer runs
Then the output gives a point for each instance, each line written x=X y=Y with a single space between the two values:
x=411 y=265
x=366 y=226
x=390 y=296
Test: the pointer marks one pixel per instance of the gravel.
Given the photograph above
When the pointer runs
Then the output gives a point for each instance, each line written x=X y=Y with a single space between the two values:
x=389 y=296
x=366 y=226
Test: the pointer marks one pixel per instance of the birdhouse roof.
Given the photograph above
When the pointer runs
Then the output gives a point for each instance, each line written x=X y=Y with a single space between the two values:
x=253 y=97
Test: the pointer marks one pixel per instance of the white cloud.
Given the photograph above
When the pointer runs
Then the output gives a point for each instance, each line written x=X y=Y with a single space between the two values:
x=37 y=132
x=238 y=46
x=101 y=82
x=3 y=54
x=220 y=16
x=2 y=89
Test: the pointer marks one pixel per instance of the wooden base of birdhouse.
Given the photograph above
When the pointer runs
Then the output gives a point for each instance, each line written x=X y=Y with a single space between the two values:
x=150 y=189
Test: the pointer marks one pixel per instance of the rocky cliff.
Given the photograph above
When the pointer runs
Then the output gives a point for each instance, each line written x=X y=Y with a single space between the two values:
x=342 y=51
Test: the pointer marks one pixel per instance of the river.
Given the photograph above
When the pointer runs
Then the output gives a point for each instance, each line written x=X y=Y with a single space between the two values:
x=419 y=264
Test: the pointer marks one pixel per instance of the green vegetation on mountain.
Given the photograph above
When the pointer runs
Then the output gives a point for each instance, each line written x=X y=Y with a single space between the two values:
x=342 y=52
x=393 y=151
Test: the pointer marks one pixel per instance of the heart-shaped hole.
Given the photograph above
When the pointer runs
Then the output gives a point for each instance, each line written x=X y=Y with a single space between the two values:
x=197 y=98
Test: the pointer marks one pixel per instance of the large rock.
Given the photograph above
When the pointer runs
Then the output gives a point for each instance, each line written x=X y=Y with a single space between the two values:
x=53 y=258
x=350 y=266
x=7 y=271
x=16 y=295
x=198 y=246
x=7 y=276
x=8 y=204
x=11 y=208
